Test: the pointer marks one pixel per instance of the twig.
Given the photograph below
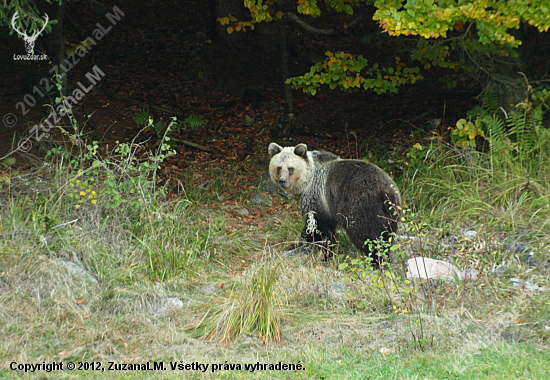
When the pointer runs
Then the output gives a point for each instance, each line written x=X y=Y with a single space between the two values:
x=65 y=224
x=192 y=144
x=137 y=103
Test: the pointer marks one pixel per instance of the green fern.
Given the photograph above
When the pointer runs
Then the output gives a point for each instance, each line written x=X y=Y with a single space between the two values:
x=476 y=112
x=491 y=102
x=141 y=117
x=193 y=121
x=542 y=134
x=497 y=134
x=521 y=131
x=8 y=162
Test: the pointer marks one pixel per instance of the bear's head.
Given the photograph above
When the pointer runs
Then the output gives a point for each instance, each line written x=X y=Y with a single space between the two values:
x=290 y=167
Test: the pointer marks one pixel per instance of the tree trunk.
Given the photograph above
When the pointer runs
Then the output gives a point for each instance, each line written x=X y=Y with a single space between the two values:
x=224 y=8
x=286 y=121
x=284 y=69
x=58 y=43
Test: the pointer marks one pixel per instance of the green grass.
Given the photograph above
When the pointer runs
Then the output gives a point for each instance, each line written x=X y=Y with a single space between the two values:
x=504 y=189
x=499 y=361
x=491 y=362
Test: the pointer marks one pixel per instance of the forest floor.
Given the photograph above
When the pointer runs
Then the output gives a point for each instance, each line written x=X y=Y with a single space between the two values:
x=167 y=68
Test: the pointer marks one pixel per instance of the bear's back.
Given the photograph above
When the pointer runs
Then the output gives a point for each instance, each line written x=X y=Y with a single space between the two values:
x=354 y=178
x=323 y=156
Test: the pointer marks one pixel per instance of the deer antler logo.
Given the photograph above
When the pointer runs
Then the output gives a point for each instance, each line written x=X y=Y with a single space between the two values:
x=29 y=40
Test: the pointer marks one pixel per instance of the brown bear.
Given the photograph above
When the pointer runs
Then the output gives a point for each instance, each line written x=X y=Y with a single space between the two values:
x=353 y=194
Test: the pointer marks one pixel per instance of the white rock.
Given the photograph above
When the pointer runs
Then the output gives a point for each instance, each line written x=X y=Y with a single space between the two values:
x=470 y=234
x=425 y=268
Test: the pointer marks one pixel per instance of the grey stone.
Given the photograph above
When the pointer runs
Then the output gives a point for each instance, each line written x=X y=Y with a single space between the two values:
x=428 y=268
x=333 y=291
x=98 y=8
x=302 y=250
x=535 y=288
x=453 y=240
x=76 y=270
x=242 y=212
x=166 y=305
x=314 y=57
x=201 y=37
x=527 y=285
x=3 y=286
x=209 y=289
x=529 y=259
x=161 y=126
x=248 y=120
x=501 y=269
x=516 y=247
x=339 y=288
x=261 y=199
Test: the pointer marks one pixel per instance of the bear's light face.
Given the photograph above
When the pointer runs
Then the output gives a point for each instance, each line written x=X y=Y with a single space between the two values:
x=290 y=167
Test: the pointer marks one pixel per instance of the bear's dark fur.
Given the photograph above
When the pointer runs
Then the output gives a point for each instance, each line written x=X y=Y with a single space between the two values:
x=353 y=194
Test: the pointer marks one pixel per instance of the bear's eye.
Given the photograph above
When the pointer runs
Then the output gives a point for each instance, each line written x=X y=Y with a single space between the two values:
x=290 y=170
x=279 y=169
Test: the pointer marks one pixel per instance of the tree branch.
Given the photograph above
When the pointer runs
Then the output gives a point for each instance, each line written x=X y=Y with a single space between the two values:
x=327 y=32
x=308 y=28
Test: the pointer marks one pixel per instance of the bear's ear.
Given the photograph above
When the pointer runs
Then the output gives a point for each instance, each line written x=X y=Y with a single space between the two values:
x=301 y=150
x=274 y=149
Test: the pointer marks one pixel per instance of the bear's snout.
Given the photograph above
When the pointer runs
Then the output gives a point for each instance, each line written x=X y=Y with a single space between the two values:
x=283 y=182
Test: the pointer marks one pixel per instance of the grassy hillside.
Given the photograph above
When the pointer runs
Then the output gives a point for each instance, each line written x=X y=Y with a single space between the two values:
x=99 y=264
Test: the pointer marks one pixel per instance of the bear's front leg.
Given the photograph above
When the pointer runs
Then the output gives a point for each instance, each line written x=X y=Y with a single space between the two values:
x=305 y=246
x=320 y=229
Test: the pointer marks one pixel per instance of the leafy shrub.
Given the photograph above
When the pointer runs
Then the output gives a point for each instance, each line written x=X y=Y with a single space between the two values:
x=504 y=185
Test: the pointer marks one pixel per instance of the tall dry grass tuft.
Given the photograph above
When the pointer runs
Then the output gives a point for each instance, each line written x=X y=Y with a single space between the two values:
x=254 y=305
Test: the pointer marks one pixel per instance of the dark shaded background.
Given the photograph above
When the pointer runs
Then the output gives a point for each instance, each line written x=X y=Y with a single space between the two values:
x=164 y=56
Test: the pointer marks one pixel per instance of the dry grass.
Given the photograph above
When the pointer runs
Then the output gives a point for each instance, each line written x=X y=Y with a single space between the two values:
x=262 y=306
